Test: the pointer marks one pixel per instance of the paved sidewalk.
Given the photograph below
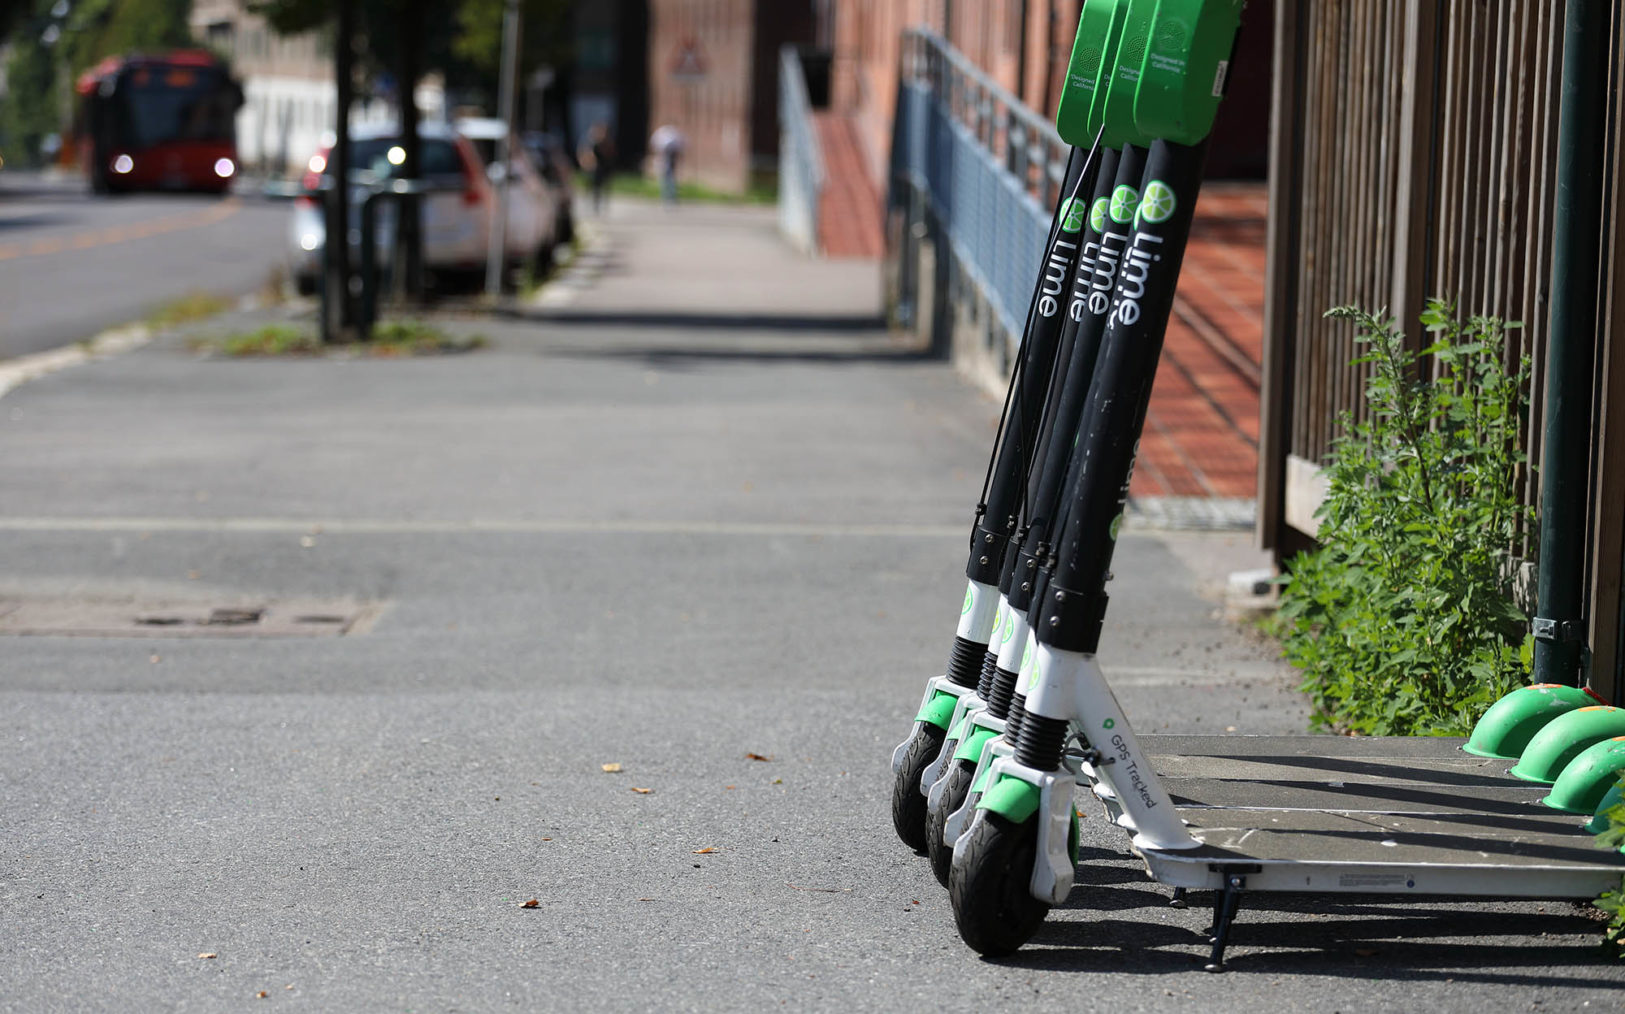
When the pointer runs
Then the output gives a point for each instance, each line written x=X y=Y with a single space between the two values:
x=696 y=512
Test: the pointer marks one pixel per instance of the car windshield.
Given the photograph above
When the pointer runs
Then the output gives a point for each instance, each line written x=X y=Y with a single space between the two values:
x=386 y=156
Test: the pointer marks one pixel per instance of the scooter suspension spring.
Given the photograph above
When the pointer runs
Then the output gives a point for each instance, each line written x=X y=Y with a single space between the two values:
x=1042 y=740
x=965 y=663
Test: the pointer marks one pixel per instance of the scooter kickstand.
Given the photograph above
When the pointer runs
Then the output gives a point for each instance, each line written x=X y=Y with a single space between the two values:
x=1224 y=913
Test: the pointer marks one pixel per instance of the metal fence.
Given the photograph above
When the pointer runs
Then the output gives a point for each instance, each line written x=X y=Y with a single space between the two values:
x=975 y=174
x=1414 y=148
x=801 y=158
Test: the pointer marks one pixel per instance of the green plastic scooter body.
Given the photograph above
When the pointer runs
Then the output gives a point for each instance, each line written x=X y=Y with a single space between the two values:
x=970 y=747
x=939 y=710
x=1588 y=777
x=1511 y=722
x=1182 y=76
x=1011 y=798
x=1094 y=49
x=1564 y=738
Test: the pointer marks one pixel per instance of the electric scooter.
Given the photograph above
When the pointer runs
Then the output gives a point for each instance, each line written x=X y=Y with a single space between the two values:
x=1237 y=814
x=998 y=512
x=1000 y=696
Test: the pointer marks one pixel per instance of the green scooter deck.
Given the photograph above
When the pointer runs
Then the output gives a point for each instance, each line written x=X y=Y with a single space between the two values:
x=1371 y=816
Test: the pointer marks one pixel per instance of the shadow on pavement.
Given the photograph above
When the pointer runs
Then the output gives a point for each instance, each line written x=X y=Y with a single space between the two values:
x=667 y=320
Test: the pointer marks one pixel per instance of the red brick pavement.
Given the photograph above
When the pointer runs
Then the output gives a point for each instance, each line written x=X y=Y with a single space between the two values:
x=1201 y=431
x=849 y=211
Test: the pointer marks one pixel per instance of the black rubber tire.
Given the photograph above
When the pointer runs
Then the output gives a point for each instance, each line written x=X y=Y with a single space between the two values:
x=960 y=774
x=907 y=801
x=993 y=906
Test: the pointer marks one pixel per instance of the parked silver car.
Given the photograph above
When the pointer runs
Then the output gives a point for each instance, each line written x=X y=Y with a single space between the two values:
x=457 y=213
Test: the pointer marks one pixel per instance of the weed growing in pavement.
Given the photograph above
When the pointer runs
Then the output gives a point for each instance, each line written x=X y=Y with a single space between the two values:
x=191 y=307
x=390 y=339
x=1403 y=620
x=270 y=340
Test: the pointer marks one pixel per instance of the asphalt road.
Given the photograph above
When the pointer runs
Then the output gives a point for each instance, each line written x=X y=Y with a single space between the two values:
x=663 y=540
x=73 y=264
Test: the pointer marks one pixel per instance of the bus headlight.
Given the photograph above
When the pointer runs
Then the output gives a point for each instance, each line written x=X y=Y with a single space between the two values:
x=224 y=167
x=123 y=164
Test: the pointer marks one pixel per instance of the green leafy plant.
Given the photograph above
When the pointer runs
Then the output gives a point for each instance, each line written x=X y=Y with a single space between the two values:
x=1403 y=620
x=1613 y=902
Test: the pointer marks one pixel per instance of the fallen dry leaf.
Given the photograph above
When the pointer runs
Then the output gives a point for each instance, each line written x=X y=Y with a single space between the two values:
x=730 y=788
x=756 y=756
x=208 y=954
x=646 y=899
x=532 y=903
x=641 y=792
x=706 y=851
x=262 y=994
x=611 y=769
x=778 y=781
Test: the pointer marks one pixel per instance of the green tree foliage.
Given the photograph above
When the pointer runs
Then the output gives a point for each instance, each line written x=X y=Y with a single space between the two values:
x=543 y=38
x=54 y=43
x=1403 y=621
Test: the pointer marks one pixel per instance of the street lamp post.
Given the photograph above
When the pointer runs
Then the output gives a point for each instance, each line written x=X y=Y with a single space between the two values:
x=495 y=254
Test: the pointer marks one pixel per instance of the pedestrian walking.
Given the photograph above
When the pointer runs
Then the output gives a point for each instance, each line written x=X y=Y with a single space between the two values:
x=667 y=145
x=597 y=156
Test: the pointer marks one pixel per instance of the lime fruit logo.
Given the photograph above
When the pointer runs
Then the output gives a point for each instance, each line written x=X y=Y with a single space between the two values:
x=1157 y=206
x=1108 y=723
x=1072 y=219
x=1117 y=523
x=968 y=597
x=1009 y=628
x=1097 y=215
x=1124 y=198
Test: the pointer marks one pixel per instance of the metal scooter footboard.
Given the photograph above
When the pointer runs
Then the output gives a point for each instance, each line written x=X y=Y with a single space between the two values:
x=1371 y=816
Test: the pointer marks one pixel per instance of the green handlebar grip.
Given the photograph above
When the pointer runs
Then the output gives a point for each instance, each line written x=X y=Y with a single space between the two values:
x=1094 y=48
x=1563 y=739
x=1588 y=777
x=1186 y=63
x=1511 y=722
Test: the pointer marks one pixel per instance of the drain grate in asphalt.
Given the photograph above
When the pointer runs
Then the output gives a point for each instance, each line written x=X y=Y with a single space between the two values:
x=65 y=617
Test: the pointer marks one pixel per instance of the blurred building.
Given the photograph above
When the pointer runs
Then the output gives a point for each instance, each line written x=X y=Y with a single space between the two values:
x=1024 y=46
x=288 y=90
x=609 y=80
x=713 y=74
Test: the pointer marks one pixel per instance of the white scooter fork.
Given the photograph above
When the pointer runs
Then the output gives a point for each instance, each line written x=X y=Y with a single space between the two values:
x=1069 y=686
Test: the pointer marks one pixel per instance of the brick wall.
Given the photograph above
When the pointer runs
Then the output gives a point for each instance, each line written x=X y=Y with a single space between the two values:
x=700 y=54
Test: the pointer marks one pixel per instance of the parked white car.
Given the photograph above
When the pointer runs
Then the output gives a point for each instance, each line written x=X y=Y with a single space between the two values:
x=457 y=214
x=533 y=203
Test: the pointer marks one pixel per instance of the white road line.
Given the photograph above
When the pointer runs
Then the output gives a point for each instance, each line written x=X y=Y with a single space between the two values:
x=365 y=526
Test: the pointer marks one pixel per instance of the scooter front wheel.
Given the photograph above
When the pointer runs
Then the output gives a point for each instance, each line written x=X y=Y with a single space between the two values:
x=959 y=777
x=990 y=886
x=907 y=801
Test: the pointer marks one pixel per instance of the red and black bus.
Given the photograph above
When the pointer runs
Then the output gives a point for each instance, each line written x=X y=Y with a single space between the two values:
x=165 y=122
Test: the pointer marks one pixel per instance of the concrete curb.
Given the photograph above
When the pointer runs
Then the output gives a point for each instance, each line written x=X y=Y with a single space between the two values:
x=112 y=342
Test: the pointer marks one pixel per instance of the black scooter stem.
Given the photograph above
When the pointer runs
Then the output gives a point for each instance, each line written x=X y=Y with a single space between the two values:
x=998 y=513
x=1089 y=241
x=1072 y=608
x=1088 y=314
